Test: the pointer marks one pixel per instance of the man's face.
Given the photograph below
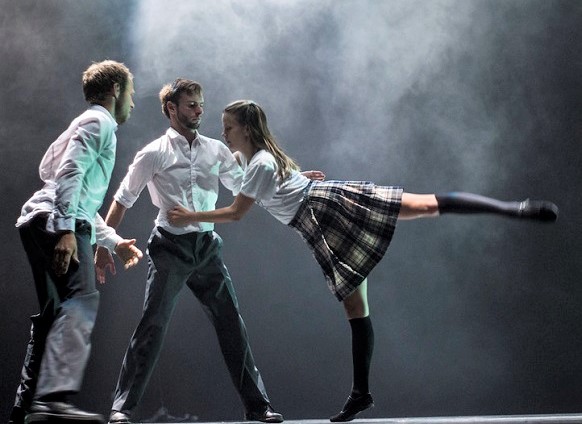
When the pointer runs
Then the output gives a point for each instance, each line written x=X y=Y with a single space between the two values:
x=189 y=111
x=124 y=103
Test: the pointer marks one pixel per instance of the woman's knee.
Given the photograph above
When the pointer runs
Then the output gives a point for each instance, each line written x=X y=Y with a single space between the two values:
x=418 y=205
x=356 y=305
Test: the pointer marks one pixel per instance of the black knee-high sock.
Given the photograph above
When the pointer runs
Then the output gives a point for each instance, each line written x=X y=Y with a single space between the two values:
x=362 y=349
x=459 y=202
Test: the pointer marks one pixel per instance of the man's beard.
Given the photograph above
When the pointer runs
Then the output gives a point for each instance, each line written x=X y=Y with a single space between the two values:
x=120 y=114
x=187 y=123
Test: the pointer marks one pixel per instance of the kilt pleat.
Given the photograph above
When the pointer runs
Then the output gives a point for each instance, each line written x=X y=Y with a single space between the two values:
x=348 y=226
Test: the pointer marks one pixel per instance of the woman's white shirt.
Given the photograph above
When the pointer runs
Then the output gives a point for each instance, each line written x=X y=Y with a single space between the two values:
x=281 y=198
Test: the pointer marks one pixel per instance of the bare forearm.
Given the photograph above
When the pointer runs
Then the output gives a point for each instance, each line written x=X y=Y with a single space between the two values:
x=181 y=216
x=218 y=216
x=115 y=214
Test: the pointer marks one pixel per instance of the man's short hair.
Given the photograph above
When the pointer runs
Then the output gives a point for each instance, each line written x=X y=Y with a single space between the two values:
x=172 y=92
x=100 y=77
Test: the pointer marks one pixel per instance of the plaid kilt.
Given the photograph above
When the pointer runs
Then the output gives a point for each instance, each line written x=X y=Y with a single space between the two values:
x=348 y=225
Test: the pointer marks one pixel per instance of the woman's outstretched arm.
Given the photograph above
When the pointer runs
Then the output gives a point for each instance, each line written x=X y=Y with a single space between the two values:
x=314 y=175
x=180 y=216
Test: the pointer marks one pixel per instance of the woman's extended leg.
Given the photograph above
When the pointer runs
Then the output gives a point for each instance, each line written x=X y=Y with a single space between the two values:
x=427 y=205
x=357 y=311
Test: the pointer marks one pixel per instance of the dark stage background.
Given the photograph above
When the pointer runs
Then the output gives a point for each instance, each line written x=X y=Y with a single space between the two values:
x=473 y=315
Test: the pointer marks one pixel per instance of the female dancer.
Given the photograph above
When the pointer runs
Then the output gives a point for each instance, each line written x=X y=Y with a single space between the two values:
x=347 y=224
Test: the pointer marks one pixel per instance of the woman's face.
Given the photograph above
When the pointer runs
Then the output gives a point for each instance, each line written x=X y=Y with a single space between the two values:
x=235 y=135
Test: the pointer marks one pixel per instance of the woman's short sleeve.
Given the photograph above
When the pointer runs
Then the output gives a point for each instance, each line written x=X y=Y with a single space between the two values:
x=260 y=181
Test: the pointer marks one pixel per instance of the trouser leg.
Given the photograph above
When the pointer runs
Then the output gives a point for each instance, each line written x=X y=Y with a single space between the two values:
x=32 y=360
x=68 y=342
x=30 y=369
x=38 y=245
x=59 y=296
x=68 y=346
x=166 y=277
x=138 y=365
x=212 y=285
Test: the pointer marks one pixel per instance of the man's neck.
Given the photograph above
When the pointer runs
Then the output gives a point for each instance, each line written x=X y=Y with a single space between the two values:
x=189 y=135
x=108 y=103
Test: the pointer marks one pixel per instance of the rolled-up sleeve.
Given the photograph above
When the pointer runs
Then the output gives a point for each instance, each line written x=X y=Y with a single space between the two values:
x=140 y=172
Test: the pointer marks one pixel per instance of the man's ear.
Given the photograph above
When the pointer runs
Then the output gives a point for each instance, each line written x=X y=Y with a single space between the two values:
x=116 y=90
x=171 y=106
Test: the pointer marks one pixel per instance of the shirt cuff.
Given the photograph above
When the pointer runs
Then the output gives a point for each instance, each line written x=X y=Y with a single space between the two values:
x=110 y=241
x=55 y=225
x=106 y=235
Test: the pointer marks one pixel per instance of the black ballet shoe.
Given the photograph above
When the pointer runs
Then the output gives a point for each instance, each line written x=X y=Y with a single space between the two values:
x=538 y=210
x=353 y=406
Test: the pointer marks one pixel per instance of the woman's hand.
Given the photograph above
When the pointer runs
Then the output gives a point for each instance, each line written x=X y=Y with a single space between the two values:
x=180 y=216
x=314 y=175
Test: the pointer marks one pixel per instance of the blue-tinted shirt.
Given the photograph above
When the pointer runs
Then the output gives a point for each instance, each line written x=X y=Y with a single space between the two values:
x=76 y=170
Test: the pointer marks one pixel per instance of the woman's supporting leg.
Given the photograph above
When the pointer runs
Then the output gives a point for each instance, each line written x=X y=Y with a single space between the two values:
x=425 y=205
x=362 y=350
x=357 y=311
x=356 y=306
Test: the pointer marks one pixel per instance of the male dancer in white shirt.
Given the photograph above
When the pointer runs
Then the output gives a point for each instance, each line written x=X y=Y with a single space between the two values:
x=58 y=226
x=183 y=167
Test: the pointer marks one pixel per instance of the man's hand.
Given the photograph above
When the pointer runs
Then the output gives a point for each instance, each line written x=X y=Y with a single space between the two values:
x=314 y=175
x=128 y=253
x=125 y=250
x=103 y=262
x=65 y=252
x=180 y=216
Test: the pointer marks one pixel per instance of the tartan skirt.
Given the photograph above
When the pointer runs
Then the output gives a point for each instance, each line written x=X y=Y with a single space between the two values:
x=348 y=226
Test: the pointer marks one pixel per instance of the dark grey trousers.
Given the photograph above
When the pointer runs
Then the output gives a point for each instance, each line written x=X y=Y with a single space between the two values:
x=59 y=345
x=194 y=260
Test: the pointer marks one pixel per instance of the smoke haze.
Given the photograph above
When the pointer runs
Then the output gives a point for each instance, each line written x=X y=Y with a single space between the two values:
x=472 y=315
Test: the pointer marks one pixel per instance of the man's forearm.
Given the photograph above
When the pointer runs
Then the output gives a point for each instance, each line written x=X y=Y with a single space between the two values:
x=115 y=214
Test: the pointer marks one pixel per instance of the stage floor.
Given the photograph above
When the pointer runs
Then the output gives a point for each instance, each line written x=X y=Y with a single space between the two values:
x=493 y=419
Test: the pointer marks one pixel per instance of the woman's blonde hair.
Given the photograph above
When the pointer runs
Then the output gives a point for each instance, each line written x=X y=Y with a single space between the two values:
x=251 y=115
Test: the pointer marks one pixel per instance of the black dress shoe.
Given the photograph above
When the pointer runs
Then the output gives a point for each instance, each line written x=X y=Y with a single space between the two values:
x=539 y=210
x=60 y=411
x=267 y=415
x=119 y=417
x=17 y=416
x=353 y=406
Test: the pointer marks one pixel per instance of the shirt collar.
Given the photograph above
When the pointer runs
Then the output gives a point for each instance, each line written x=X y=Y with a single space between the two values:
x=106 y=112
x=175 y=135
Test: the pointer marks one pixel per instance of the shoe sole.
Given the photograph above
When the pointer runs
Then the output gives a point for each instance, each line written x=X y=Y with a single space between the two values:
x=348 y=418
x=43 y=417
